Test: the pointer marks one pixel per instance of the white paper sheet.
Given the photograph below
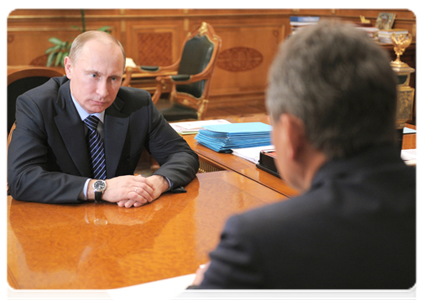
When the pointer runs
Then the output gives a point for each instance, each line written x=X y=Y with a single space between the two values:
x=194 y=126
x=410 y=154
x=251 y=154
x=165 y=289
x=407 y=130
x=130 y=63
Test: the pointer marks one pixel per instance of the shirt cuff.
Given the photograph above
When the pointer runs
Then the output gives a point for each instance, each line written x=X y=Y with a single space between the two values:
x=170 y=184
x=84 y=192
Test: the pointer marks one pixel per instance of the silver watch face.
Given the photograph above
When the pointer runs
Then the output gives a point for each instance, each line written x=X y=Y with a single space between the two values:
x=99 y=185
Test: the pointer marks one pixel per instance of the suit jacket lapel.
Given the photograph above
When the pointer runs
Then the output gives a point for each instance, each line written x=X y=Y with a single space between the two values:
x=72 y=131
x=115 y=129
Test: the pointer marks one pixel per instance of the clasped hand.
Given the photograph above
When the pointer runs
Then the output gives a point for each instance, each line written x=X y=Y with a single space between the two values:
x=128 y=191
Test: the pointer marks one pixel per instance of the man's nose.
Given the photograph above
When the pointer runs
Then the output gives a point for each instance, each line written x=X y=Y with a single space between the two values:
x=102 y=89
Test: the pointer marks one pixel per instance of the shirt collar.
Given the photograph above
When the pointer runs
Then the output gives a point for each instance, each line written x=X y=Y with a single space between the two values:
x=84 y=114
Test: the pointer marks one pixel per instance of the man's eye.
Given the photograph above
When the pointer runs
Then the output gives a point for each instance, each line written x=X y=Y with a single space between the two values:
x=93 y=75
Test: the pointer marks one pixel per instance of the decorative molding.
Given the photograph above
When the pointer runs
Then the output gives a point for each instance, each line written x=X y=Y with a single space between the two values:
x=186 y=24
x=239 y=59
x=39 y=61
x=154 y=48
x=201 y=14
x=47 y=29
x=10 y=38
x=414 y=31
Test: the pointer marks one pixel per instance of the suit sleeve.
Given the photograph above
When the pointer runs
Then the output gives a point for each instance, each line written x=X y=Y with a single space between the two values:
x=234 y=264
x=29 y=177
x=178 y=162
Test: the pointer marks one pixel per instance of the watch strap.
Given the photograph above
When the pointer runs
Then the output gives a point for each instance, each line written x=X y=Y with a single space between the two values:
x=98 y=196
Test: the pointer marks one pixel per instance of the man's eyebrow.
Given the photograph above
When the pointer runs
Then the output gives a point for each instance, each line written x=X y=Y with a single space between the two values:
x=101 y=74
x=92 y=71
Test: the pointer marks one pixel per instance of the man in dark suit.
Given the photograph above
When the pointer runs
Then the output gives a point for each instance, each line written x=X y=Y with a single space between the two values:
x=49 y=158
x=332 y=100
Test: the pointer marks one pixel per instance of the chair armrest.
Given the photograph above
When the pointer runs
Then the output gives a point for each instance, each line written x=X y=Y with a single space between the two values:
x=180 y=77
x=154 y=70
x=173 y=80
x=184 y=78
x=150 y=68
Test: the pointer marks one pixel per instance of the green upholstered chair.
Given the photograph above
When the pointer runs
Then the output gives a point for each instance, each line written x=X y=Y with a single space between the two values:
x=189 y=88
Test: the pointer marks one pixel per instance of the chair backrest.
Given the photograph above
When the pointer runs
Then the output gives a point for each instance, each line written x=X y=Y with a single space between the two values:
x=199 y=55
x=195 y=58
x=23 y=80
x=17 y=83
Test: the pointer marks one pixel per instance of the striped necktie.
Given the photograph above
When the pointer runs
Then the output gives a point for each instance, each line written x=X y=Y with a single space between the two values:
x=96 y=148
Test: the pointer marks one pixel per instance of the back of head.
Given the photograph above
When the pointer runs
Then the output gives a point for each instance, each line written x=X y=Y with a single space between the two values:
x=339 y=83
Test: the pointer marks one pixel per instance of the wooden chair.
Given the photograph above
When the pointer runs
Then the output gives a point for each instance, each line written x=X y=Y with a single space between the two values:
x=190 y=87
x=17 y=83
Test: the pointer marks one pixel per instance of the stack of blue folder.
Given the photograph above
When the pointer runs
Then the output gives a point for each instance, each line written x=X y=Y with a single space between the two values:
x=224 y=137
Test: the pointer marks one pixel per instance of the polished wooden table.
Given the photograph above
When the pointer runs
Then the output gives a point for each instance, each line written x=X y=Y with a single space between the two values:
x=409 y=140
x=103 y=246
x=211 y=161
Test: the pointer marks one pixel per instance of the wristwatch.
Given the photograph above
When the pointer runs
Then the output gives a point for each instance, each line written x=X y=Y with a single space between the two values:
x=99 y=188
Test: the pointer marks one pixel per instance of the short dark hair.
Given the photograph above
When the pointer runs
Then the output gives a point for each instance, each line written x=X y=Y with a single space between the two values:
x=339 y=83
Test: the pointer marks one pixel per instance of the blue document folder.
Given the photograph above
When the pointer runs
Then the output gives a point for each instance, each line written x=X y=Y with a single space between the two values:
x=224 y=137
x=239 y=128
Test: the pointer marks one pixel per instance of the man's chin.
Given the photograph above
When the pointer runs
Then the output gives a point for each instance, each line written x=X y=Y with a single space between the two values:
x=98 y=108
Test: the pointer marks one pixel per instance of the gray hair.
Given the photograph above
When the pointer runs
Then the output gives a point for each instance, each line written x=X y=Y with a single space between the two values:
x=339 y=83
x=84 y=37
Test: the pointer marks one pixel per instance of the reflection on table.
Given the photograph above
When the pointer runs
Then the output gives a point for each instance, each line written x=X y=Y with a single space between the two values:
x=103 y=246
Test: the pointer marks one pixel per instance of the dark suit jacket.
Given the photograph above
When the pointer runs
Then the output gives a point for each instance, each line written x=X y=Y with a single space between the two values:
x=354 y=229
x=48 y=159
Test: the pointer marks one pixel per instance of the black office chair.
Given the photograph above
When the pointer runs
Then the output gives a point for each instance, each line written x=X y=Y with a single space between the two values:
x=17 y=83
x=190 y=87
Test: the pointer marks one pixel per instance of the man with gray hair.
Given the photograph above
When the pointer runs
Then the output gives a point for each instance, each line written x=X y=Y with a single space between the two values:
x=332 y=101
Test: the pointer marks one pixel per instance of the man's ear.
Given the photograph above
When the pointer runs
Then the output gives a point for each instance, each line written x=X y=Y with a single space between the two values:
x=294 y=131
x=68 y=67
